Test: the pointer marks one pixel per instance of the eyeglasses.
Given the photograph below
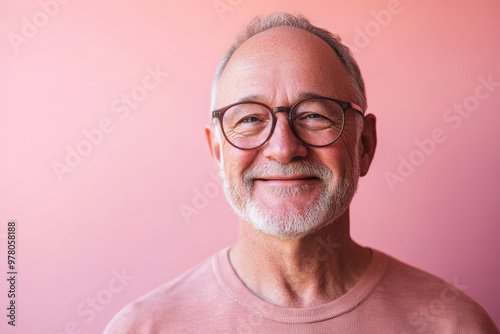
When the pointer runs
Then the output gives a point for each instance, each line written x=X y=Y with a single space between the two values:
x=315 y=121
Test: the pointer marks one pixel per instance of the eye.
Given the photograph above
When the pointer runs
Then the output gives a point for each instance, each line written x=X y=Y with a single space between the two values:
x=250 y=119
x=314 y=116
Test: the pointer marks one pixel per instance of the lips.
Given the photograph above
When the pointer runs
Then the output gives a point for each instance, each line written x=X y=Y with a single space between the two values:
x=287 y=181
x=302 y=174
x=284 y=178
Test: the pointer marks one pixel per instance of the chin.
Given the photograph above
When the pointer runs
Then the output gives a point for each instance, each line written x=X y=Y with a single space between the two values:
x=295 y=220
x=293 y=225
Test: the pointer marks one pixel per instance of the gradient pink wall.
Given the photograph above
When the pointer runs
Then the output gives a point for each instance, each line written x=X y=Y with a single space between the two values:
x=119 y=209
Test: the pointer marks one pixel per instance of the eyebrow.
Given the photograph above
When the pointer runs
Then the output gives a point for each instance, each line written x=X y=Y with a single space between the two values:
x=260 y=98
x=309 y=95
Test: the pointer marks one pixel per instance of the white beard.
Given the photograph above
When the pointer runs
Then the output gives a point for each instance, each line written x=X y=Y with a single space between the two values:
x=334 y=198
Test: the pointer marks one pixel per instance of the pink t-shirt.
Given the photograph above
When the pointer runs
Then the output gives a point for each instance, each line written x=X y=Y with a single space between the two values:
x=391 y=297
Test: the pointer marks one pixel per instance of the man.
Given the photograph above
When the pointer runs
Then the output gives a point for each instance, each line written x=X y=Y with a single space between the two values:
x=291 y=138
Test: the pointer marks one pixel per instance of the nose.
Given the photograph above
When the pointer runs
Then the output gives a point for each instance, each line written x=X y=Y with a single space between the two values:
x=283 y=146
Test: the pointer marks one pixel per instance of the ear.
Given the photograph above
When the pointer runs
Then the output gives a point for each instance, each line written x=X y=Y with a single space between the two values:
x=368 y=143
x=213 y=144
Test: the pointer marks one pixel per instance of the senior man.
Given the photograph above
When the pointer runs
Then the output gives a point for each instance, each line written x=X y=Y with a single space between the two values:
x=291 y=138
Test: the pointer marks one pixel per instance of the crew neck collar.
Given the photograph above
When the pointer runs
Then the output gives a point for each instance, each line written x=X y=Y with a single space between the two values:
x=233 y=286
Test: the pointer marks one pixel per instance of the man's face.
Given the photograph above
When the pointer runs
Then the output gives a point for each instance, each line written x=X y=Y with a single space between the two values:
x=286 y=188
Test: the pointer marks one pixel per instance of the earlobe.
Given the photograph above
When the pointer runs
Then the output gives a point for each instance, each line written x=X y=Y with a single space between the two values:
x=214 y=145
x=368 y=143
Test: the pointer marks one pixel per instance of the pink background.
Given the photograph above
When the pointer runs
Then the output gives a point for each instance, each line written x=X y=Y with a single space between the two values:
x=120 y=208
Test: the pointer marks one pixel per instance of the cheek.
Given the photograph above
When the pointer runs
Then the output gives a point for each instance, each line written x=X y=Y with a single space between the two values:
x=236 y=161
x=340 y=157
x=348 y=143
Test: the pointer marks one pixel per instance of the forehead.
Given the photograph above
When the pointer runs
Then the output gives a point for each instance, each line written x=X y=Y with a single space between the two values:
x=281 y=64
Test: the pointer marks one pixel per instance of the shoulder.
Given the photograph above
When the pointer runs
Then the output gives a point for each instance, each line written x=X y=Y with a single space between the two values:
x=430 y=302
x=175 y=300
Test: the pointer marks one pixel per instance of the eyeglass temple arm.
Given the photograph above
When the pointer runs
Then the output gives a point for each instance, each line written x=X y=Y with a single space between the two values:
x=354 y=106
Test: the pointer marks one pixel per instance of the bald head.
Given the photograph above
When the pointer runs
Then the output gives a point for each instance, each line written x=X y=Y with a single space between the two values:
x=259 y=26
x=280 y=65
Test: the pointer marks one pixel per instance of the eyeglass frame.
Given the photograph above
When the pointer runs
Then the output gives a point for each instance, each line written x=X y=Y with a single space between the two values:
x=219 y=114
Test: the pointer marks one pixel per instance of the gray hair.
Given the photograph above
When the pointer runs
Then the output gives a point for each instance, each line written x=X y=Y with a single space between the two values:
x=283 y=19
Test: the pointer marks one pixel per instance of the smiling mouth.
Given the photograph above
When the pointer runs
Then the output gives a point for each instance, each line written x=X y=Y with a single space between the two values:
x=287 y=181
x=285 y=178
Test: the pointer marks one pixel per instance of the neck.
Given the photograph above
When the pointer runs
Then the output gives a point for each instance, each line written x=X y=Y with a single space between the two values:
x=311 y=270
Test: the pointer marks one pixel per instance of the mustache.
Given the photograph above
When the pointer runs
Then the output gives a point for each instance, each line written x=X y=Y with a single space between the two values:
x=294 y=168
